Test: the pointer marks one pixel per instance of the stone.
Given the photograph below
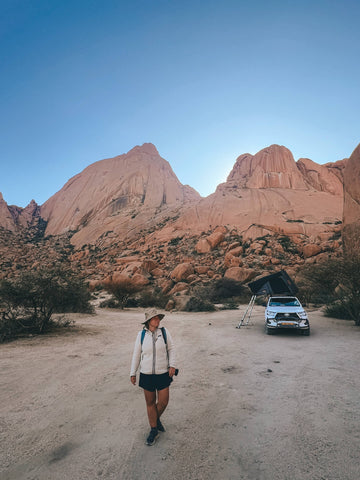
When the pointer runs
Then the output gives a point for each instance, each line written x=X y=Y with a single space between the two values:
x=139 y=280
x=311 y=250
x=181 y=272
x=240 y=274
x=237 y=251
x=158 y=272
x=179 y=287
x=215 y=239
x=166 y=285
x=201 y=269
x=203 y=246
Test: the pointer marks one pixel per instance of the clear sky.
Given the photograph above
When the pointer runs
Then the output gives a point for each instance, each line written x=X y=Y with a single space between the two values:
x=204 y=81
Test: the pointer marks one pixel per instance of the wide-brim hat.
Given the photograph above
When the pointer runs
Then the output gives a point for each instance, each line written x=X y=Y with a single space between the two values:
x=149 y=314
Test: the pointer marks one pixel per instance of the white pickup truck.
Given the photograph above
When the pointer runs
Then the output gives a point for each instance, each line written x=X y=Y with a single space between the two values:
x=285 y=312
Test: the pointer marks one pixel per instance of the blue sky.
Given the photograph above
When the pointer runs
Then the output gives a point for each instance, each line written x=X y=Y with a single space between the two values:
x=205 y=81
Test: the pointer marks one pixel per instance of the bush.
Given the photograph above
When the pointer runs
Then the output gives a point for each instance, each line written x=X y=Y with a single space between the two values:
x=28 y=302
x=152 y=298
x=224 y=289
x=336 y=283
x=229 y=306
x=121 y=289
x=196 y=304
x=336 y=310
x=109 y=303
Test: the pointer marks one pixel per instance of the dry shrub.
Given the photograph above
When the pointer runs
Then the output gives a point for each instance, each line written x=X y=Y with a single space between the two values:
x=121 y=289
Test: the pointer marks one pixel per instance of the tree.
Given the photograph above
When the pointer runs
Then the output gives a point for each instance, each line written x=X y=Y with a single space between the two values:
x=121 y=288
x=335 y=283
x=28 y=301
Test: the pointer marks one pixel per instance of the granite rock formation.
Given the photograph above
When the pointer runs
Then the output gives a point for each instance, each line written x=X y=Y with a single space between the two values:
x=120 y=195
x=351 y=219
x=271 y=193
x=130 y=216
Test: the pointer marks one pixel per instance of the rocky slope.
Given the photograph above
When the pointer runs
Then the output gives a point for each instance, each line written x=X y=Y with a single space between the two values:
x=130 y=216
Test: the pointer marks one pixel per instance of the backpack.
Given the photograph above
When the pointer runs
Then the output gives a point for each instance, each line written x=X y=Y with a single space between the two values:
x=163 y=334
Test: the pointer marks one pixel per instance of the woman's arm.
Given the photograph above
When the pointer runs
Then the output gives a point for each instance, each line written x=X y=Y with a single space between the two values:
x=135 y=362
x=171 y=352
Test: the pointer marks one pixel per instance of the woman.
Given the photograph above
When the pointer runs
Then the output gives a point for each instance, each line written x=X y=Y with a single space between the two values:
x=154 y=353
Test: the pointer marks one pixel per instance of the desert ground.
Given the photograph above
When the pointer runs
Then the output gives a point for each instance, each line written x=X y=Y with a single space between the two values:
x=245 y=405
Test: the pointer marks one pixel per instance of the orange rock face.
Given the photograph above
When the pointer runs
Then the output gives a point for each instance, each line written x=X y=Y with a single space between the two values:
x=268 y=193
x=121 y=195
x=137 y=200
x=351 y=220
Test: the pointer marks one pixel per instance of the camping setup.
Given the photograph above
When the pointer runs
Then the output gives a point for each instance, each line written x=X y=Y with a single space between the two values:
x=275 y=284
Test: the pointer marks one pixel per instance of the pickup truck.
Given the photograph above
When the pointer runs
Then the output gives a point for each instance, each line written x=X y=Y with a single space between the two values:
x=285 y=312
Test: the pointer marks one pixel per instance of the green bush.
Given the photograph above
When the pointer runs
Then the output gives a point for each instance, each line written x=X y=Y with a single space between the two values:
x=229 y=306
x=121 y=289
x=110 y=303
x=336 y=284
x=152 y=298
x=28 y=302
x=224 y=289
x=337 y=310
x=196 y=304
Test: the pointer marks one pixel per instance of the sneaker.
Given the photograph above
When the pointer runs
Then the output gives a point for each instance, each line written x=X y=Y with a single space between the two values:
x=152 y=436
x=160 y=426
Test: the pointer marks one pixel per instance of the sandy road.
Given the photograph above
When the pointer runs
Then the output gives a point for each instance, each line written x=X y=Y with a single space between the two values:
x=245 y=406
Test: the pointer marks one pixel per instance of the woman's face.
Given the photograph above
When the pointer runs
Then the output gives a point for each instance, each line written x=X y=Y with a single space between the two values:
x=154 y=323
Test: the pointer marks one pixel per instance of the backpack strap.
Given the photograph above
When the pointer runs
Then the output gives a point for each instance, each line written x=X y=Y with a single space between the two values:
x=164 y=335
x=165 y=340
x=163 y=330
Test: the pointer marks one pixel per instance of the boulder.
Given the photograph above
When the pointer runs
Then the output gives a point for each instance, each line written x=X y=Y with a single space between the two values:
x=240 y=274
x=181 y=272
x=201 y=269
x=139 y=280
x=179 y=287
x=236 y=251
x=311 y=250
x=120 y=277
x=203 y=246
x=170 y=305
x=166 y=285
x=157 y=272
x=215 y=239
x=148 y=266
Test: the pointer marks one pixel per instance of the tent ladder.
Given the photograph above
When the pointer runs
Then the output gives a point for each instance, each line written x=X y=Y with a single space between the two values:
x=248 y=312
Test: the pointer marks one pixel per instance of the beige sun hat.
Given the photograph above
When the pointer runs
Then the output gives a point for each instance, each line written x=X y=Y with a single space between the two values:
x=149 y=314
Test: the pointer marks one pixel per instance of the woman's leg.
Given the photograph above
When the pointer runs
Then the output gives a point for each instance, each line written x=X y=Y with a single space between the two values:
x=150 y=398
x=163 y=400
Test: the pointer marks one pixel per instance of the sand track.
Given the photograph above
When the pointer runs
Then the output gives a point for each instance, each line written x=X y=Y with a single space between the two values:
x=68 y=410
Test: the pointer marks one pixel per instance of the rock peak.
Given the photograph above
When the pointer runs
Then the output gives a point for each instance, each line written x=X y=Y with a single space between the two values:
x=271 y=167
x=147 y=148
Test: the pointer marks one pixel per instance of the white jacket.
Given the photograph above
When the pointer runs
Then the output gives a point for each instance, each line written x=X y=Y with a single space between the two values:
x=151 y=355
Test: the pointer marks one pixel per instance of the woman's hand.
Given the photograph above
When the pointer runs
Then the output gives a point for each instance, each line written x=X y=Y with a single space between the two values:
x=133 y=379
x=171 y=371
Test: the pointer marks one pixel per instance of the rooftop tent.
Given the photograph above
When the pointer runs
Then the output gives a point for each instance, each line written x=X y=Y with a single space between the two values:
x=276 y=284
